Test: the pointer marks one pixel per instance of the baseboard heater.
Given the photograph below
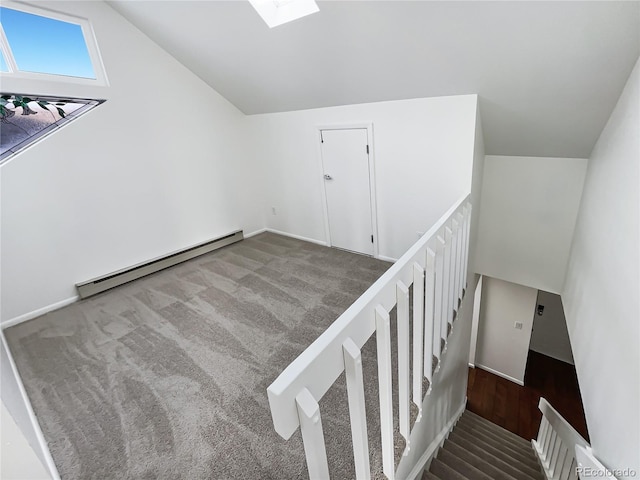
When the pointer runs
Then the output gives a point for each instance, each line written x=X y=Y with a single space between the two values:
x=100 y=284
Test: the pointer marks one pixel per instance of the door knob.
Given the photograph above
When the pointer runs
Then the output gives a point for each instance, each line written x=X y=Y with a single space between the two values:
x=328 y=177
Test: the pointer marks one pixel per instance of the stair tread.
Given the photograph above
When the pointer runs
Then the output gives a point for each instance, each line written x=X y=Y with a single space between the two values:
x=465 y=459
x=429 y=476
x=464 y=468
x=493 y=443
x=476 y=428
x=476 y=431
x=511 y=466
x=444 y=471
x=489 y=424
x=496 y=430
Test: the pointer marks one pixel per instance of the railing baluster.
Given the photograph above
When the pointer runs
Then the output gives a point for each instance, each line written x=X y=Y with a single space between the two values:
x=573 y=469
x=312 y=435
x=446 y=297
x=554 y=454
x=418 y=322
x=430 y=290
x=357 y=411
x=556 y=465
x=565 y=472
x=439 y=284
x=402 y=300
x=383 y=343
x=462 y=235
x=454 y=269
x=469 y=209
x=547 y=432
x=551 y=440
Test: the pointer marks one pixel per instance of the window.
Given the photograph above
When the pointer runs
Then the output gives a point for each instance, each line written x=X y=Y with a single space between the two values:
x=27 y=118
x=37 y=43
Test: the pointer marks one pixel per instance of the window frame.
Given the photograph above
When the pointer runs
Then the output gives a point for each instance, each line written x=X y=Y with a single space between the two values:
x=89 y=40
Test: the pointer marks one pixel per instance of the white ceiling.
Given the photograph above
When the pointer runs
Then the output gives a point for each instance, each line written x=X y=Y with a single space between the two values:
x=548 y=73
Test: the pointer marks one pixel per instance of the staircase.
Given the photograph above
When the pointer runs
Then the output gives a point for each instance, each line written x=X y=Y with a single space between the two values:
x=479 y=449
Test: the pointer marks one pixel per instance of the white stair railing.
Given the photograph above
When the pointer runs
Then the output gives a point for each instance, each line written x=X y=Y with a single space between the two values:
x=436 y=268
x=556 y=444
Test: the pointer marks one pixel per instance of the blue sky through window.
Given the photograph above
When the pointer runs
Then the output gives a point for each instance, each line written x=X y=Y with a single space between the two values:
x=45 y=45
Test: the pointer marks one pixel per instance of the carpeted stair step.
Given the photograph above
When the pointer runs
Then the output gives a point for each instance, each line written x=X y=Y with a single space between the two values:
x=508 y=465
x=444 y=472
x=479 y=432
x=429 y=476
x=477 y=449
x=476 y=428
x=464 y=458
x=496 y=447
x=466 y=469
x=496 y=429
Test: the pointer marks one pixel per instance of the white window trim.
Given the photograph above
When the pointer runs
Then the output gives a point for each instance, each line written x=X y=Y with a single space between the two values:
x=89 y=39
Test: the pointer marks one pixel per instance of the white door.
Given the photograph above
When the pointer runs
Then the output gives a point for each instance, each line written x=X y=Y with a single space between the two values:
x=345 y=160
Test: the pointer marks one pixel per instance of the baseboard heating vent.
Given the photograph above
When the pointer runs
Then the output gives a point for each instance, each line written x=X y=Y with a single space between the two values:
x=111 y=280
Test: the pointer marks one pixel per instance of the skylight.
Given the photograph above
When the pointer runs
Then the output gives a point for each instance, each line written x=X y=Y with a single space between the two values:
x=277 y=12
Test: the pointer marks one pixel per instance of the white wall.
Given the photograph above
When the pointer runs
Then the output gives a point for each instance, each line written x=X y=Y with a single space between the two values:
x=475 y=323
x=527 y=216
x=550 y=336
x=28 y=439
x=476 y=195
x=476 y=189
x=602 y=289
x=17 y=459
x=501 y=348
x=139 y=176
x=423 y=154
x=160 y=166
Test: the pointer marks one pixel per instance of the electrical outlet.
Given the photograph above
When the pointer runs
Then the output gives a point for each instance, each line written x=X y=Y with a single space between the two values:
x=518 y=325
x=273 y=210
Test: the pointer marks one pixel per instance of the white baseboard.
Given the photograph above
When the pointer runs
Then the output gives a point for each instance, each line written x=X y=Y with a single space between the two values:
x=556 y=357
x=472 y=365
x=253 y=234
x=432 y=449
x=42 y=443
x=500 y=374
x=37 y=313
x=297 y=237
x=387 y=259
x=63 y=303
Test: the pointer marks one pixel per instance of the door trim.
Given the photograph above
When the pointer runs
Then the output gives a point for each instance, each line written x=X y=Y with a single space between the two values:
x=372 y=178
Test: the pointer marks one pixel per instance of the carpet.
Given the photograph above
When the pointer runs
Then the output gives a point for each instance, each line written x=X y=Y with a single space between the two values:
x=166 y=377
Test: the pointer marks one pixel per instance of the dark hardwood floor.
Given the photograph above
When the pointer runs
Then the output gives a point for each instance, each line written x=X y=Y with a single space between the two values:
x=516 y=408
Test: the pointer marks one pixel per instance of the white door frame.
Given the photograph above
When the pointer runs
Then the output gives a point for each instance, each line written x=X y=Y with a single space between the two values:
x=372 y=179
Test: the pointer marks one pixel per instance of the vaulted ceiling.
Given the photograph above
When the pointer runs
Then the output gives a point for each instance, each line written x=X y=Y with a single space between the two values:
x=548 y=73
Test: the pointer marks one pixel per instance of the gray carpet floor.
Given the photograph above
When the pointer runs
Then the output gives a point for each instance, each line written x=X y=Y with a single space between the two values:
x=166 y=377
